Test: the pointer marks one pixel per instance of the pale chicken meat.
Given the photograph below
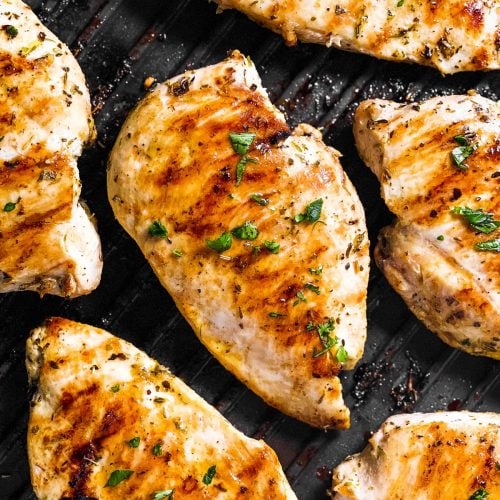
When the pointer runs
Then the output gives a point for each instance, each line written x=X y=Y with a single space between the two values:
x=48 y=241
x=438 y=165
x=108 y=422
x=426 y=456
x=257 y=234
x=451 y=35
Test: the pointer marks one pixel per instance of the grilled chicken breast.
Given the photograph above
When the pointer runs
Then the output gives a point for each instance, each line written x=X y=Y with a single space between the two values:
x=423 y=456
x=109 y=422
x=281 y=304
x=451 y=36
x=436 y=160
x=48 y=241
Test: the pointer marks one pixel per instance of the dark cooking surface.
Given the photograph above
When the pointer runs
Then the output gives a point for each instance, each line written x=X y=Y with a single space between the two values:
x=118 y=44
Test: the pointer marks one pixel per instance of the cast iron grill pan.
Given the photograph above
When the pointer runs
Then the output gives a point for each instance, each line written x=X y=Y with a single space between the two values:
x=119 y=43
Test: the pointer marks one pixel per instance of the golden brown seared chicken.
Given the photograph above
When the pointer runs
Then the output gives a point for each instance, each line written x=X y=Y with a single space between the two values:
x=451 y=35
x=438 y=164
x=267 y=250
x=109 y=422
x=426 y=456
x=48 y=242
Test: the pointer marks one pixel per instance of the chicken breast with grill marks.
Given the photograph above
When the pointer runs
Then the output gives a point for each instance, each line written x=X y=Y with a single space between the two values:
x=48 y=242
x=109 y=422
x=451 y=455
x=451 y=36
x=267 y=249
x=437 y=162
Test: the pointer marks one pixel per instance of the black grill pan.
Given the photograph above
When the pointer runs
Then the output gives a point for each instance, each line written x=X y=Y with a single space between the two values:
x=405 y=368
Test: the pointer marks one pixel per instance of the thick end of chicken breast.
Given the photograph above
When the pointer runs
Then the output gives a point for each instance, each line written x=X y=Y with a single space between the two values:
x=425 y=456
x=429 y=255
x=109 y=422
x=49 y=243
x=452 y=36
x=265 y=307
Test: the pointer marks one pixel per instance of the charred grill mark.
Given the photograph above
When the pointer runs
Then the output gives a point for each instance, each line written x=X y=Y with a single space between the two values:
x=82 y=459
x=68 y=398
x=474 y=11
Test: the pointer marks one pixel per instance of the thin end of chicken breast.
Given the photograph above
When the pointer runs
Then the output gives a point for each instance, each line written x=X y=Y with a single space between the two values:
x=103 y=406
x=425 y=456
x=49 y=243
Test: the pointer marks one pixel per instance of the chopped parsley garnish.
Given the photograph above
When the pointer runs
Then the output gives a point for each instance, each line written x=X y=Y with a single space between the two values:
x=247 y=231
x=317 y=271
x=259 y=199
x=488 y=246
x=301 y=296
x=115 y=388
x=222 y=243
x=9 y=207
x=342 y=355
x=479 y=220
x=241 y=166
x=276 y=315
x=158 y=230
x=272 y=246
x=440 y=238
x=117 y=476
x=241 y=142
x=156 y=450
x=25 y=51
x=479 y=494
x=209 y=475
x=177 y=253
x=134 y=442
x=312 y=212
x=324 y=330
x=164 y=494
x=313 y=288
x=462 y=152
x=11 y=31
x=400 y=3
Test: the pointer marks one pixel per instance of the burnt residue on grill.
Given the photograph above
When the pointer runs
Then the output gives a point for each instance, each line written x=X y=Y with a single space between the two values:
x=370 y=376
x=407 y=394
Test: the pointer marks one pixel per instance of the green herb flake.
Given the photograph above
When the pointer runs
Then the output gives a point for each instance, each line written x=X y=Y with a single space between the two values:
x=156 y=450
x=342 y=355
x=479 y=494
x=313 y=288
x=462 y=152
x=158 y=230
x=177 y=253
x=134 y=442
x=164 y=494
x=488 y=246
x=477 y=219
x=324 y=330
x=497 y=465
x=317 y=271
x=312 y=212
x=272 y=246
x=222 y=243
x=117 y=476
x=9 y=207
x=400 y=3
x=440 y=238
x=274 y=314
x=241 y=142
x=301 y=296
x=241 y=167
x=25 y=51
x=247 y=231
x=11 y=31
x=115 y=388
x=209 y=475
x=259 y=199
